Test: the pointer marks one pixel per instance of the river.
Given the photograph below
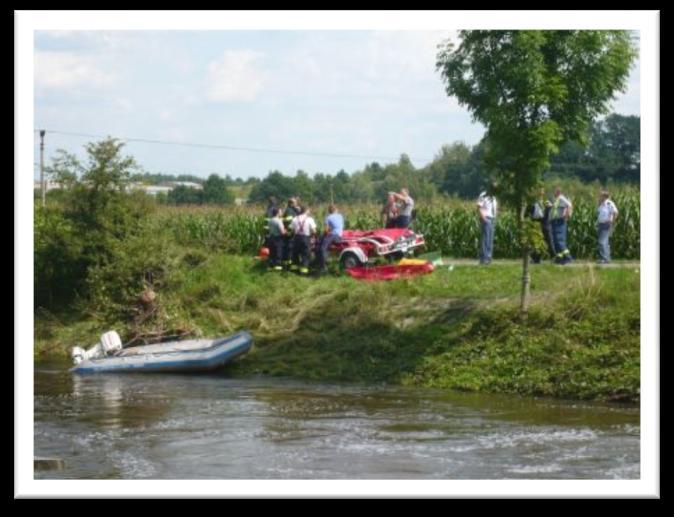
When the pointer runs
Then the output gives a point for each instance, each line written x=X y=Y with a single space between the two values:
x=164 y=426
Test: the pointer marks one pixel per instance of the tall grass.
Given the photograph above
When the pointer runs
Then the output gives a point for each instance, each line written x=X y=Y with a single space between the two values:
x=449 y=227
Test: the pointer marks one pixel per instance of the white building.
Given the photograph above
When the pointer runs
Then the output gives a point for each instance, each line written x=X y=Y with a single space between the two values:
x=188 y=184
x=50 y=185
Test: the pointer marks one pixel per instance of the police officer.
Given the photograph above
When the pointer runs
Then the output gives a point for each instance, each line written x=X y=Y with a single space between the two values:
x=487 y=207
x=559 y=215
x=607 y=213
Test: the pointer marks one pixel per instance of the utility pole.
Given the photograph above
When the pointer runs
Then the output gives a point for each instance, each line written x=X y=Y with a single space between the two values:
x=42 y=183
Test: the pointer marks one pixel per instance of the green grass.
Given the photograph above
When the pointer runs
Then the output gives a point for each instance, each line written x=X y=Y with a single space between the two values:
x=454 y=329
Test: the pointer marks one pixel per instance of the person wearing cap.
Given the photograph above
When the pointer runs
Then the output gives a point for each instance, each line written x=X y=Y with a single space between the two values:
x=487 y=208
x=560 y=213
x=303 y=227
x=334 y=225
x=607 y=213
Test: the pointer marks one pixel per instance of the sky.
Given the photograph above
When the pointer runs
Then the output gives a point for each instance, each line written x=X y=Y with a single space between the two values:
x=365 y=95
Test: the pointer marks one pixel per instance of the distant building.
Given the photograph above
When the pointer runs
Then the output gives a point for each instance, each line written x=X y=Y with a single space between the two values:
x=50 y=185
x=164 y=188
x=153 y=190
x=188 y=184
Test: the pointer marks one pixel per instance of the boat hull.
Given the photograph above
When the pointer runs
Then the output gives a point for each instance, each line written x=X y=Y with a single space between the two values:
x=177 y=356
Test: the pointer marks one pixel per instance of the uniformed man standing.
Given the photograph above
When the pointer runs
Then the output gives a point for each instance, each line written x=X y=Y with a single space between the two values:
x=540 y=211
x=303 y=227
x=607 y=213
x=559 y=215
x=275 y=240
x=487 y=208
x=291 y=211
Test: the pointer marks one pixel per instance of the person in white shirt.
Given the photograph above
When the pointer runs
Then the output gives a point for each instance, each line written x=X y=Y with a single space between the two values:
x=487 y=207
x=303 y=227
x=607 y=213
x=559 y=216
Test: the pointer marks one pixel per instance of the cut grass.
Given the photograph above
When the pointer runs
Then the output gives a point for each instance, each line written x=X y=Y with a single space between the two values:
x=454 y=329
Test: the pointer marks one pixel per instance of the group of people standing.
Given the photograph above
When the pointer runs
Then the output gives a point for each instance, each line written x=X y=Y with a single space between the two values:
x=553 y=216
x=291 y=232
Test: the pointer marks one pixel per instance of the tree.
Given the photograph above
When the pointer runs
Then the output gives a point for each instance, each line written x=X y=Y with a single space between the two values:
x=275 y=184
x=533 y=90
x=612 y=153
x=614 y=146
x=94 y=215
x=216 y=191
x=184 y=195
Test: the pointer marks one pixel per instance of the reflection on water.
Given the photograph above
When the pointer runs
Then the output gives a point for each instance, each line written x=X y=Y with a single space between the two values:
x=209 y=426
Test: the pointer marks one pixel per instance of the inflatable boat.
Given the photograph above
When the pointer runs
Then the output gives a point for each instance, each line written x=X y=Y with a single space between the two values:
x=193 y=355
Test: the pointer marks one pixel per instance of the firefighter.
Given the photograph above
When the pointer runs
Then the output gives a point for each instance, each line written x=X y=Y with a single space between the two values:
x=292 y=210
x=303 y=227
x=272 y=207
x=275 y=240
x=540 y=211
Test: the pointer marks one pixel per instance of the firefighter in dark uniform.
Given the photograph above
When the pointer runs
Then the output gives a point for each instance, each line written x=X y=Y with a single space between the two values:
x=291 y=211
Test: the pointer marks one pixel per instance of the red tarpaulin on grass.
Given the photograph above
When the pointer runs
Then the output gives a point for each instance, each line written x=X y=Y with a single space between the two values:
x=390 y=272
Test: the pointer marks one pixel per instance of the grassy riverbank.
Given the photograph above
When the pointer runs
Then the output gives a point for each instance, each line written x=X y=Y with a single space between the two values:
x=453 y=329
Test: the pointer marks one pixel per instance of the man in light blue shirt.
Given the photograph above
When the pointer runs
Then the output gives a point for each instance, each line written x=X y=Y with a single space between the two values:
x=334 y=225
x=487 y=208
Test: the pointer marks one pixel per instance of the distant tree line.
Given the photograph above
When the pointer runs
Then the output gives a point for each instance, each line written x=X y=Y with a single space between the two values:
x=611 y=155
x=214 y=191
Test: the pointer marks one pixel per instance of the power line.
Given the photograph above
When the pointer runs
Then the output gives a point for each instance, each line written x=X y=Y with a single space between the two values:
x=228 y=147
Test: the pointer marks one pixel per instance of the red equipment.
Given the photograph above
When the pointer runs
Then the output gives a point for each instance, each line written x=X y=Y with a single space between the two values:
x=390 y=272
x=360 y=247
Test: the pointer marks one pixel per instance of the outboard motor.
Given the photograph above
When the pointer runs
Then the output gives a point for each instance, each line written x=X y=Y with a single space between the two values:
x=109 y=344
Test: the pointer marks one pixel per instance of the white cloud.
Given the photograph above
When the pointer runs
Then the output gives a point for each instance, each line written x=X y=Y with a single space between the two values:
x=404 y=53
x=234 y=77
x=62 y=70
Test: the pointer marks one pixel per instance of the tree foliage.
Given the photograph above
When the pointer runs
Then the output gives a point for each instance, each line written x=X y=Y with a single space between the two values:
x=94 y=215
x=533 y=90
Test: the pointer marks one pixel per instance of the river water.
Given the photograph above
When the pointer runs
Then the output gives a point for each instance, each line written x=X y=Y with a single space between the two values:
x=162 y=426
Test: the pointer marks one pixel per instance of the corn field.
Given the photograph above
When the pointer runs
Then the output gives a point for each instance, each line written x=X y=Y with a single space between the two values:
x=452 y=229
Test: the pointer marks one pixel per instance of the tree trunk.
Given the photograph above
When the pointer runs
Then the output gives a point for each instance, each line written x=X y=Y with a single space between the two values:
x=526 y=278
